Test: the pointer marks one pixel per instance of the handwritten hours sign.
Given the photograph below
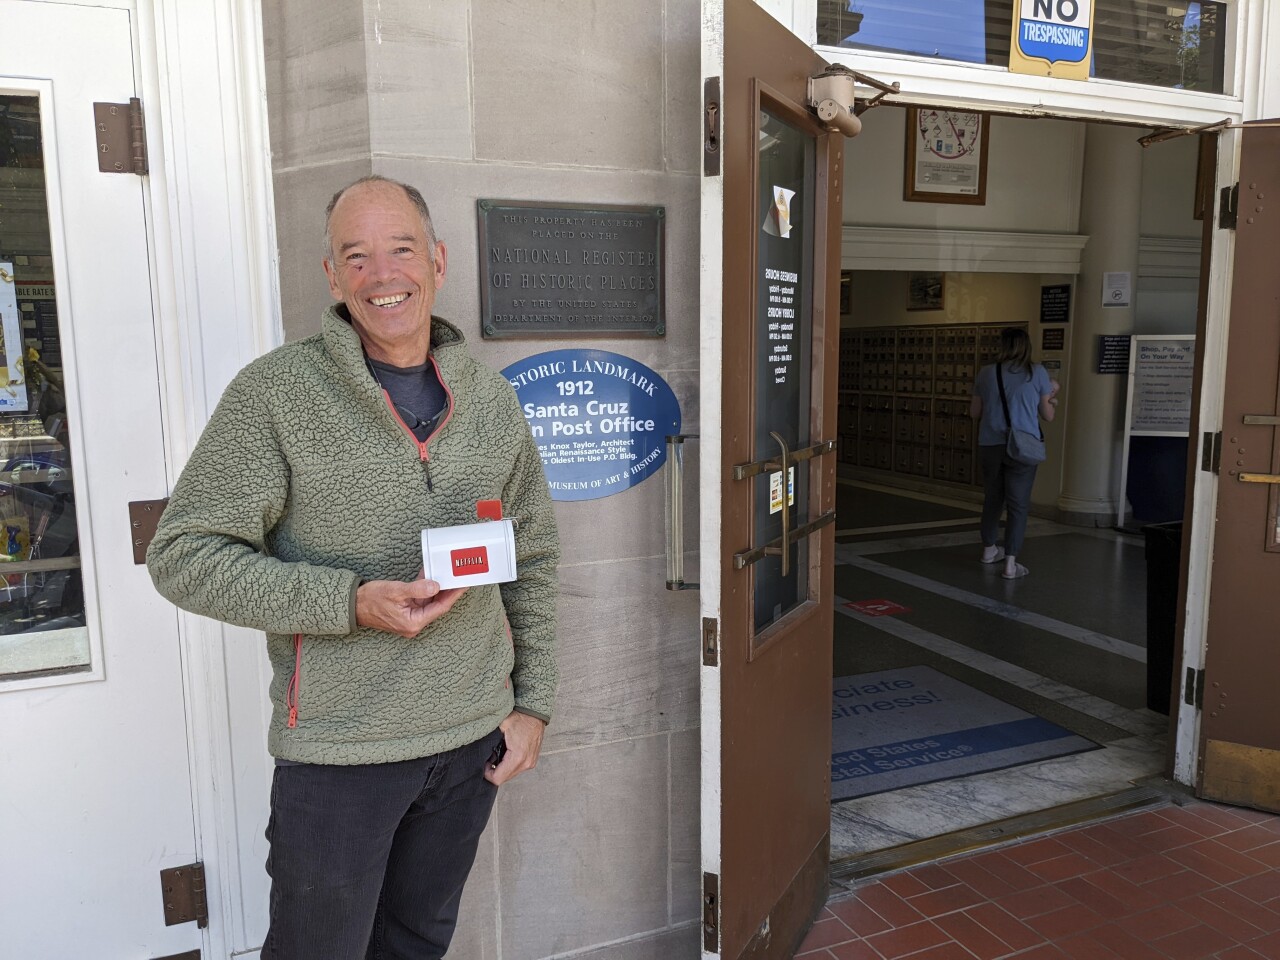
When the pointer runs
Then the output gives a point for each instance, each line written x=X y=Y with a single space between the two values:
x=548 y=271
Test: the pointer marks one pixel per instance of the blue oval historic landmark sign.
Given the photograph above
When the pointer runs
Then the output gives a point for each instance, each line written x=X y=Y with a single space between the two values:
x=600 y=419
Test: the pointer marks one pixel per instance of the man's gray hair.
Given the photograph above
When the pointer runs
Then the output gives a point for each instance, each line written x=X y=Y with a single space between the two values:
x=414 y=195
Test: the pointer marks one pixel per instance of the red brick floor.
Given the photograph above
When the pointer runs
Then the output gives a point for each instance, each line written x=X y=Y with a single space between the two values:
x=1187 y=882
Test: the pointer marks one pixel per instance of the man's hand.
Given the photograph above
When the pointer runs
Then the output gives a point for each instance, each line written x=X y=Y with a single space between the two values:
x=523 y=734
x=403 y=608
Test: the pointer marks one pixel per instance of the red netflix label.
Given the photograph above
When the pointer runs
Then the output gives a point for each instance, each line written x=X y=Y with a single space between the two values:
x=469 y=561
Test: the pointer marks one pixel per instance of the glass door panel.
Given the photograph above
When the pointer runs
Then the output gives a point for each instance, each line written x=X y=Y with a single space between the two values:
x=783 y=359
x=42 y=610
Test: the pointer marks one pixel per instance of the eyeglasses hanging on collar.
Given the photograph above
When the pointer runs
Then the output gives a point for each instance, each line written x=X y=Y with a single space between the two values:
x=412 y=420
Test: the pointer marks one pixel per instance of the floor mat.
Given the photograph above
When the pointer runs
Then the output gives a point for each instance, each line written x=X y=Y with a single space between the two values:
x=898 y=728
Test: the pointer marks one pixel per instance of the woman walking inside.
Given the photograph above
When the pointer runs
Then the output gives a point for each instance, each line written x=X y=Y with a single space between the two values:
x=1011 y=395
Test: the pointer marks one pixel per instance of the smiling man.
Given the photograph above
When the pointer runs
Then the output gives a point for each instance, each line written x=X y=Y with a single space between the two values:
x=398 y=708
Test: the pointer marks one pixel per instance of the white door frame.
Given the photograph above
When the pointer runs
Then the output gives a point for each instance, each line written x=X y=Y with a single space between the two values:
x=201 y=71
x=1254 y=79
x=199 y=68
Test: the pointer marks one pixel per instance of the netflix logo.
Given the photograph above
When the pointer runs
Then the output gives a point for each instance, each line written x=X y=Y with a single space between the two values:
x=469 y=554
x=469 y=561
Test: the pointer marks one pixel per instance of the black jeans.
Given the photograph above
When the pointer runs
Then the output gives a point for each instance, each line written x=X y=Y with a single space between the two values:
x=368 y=861
x=1007 y=484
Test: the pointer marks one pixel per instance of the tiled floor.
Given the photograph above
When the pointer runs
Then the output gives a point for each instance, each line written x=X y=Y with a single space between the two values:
x=1028 y=643
x=1182 y=882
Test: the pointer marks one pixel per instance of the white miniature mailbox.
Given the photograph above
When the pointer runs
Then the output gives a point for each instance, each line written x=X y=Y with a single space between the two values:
x=471 y=554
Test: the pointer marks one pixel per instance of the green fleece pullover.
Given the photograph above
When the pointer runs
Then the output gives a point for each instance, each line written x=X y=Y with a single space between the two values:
x=304 y=484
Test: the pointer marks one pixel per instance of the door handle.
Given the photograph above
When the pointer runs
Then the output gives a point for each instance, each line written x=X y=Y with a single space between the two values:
x=675 y=511
x=774 y=547
x=745 y=471
x=784 y=464
x=1259 y=420
x=782 y=545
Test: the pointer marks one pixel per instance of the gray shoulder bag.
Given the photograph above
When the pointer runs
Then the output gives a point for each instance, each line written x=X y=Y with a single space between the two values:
x=1021 y=446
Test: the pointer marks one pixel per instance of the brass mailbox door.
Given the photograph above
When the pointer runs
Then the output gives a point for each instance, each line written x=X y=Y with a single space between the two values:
x=1240 y=725
x=771 y=219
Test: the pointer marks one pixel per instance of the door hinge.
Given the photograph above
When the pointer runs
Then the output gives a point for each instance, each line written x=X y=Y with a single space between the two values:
x=710 y=642
x=184 y=896
x=144 y=517
x=122 y=137
x=711 y=117
x=1211 y=452
x=1228 y=206
x=711 y=913
x=1193 y=689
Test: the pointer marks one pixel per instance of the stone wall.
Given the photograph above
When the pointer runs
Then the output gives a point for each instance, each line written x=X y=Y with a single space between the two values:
x=580 y=101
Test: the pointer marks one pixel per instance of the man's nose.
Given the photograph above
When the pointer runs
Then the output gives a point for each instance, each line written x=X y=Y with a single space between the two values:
x=381 y=265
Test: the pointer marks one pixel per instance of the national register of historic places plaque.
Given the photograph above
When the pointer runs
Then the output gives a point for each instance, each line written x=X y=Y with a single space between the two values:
x=570 y=269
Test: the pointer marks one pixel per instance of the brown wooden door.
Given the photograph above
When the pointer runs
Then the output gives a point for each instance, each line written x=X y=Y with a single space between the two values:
x=1240 y=725
x=771 y=254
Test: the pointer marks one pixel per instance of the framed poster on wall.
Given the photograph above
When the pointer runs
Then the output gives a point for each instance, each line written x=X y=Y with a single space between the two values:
x=926 y=291
x=946 y=156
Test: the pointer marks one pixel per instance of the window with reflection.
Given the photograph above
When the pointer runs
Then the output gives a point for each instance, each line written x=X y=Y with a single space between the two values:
x=1160 y=43
x=42 y=612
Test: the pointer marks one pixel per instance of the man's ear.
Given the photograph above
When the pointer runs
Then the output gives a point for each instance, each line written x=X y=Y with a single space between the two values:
x=441 y=263
x=332 y=277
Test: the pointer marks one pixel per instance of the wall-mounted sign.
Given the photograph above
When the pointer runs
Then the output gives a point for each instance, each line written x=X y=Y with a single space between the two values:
x=1052 y=38
x=1117 y=289
x=565 y=270
x=1055 y=303
x=600 y=419
x=1113 y=353
x=1054 y=338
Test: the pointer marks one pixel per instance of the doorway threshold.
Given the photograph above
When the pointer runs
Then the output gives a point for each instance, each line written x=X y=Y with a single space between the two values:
x=862 y=866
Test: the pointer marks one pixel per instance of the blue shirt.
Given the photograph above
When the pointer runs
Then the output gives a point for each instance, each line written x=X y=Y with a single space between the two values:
x=1023 y=390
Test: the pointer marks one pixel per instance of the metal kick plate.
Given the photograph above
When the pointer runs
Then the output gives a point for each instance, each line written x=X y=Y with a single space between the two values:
x=144 y=517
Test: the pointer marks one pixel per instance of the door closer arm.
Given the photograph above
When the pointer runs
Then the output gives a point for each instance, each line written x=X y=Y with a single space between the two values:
x=833 y=97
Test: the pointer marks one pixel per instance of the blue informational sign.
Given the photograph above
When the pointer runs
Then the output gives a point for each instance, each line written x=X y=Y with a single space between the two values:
x=600 y=419
x=1055 y=30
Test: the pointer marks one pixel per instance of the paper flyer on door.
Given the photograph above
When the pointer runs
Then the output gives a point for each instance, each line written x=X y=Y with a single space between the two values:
x=13 y=391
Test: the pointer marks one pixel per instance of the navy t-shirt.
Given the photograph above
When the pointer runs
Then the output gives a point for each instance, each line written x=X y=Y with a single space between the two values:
x=417 y=394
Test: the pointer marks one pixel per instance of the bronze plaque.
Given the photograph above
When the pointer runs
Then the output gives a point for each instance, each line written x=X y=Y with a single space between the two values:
x=570 y=270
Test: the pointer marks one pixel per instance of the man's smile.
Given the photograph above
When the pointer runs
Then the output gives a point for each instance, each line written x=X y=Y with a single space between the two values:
x=390 y=300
